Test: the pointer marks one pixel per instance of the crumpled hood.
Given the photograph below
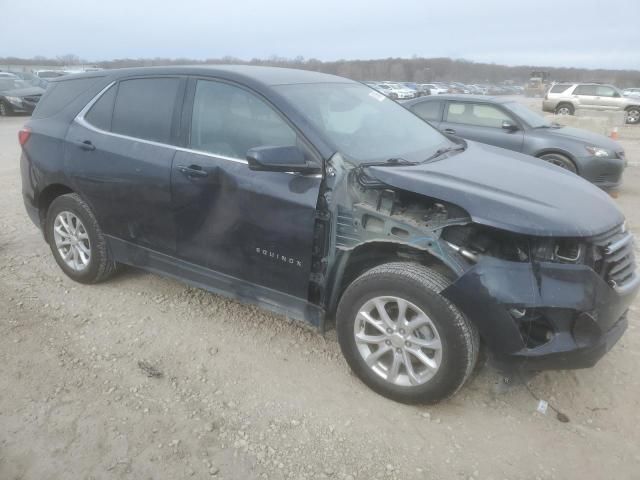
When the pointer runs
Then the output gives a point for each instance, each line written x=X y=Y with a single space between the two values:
x=510 y=191
x=589 y=138
x=23 y=92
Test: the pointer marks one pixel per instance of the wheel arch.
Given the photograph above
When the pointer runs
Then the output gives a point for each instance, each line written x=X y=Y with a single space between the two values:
x=563 y=103
x=46 y=197
x=559 y=151
x=353 y=263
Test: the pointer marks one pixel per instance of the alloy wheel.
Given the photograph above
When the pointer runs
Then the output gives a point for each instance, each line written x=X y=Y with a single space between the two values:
x=72 y=241
x=633 y=115
x=563 y=111
x=398 y=341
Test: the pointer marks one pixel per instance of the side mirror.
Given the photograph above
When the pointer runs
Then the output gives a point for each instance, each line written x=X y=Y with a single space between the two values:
x=510 y=126
x=278 y=159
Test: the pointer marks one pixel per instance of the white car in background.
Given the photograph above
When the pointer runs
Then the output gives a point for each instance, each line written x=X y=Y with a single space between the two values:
x=435 y=89
x=631 y=92
x=400 y=91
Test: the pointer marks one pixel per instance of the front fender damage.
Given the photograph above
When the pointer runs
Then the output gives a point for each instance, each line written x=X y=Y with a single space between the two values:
x=356 y=212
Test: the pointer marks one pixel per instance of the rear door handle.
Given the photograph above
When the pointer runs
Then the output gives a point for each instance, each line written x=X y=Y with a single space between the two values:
x=193 y=171
x=86 y=145
x=450 y=130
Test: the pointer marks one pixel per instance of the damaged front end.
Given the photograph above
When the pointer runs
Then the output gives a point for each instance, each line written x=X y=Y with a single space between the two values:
x=550 y=303
x=543 y=301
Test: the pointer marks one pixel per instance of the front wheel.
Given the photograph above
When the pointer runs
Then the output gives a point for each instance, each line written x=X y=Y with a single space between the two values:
x=402 y=338
x=560 y=161
x=76 y=240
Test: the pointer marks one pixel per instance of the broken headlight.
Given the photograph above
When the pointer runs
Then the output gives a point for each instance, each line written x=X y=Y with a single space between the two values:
x=565 y=250
x=473 y=241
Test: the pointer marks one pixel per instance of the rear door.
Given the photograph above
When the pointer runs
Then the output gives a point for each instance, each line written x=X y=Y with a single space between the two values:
x=257 y=227
x=585 y=96
x=119 y=153
x=482 y=122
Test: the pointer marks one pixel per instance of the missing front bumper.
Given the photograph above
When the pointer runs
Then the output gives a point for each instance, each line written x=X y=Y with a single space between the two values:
x=581 y=317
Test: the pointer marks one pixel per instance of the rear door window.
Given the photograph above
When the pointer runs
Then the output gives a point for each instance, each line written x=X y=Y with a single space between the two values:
x=430 y=111
x=144 y=108
x=228 y=121
x=559 y=88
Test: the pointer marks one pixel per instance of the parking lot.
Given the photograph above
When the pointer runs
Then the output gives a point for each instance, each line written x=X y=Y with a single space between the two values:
x=143 y=377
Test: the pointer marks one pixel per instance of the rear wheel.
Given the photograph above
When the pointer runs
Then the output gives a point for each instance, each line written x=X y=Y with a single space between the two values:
x=402 y=338
x=633 y=115
x=565 y=109
x=560 y=160
x=76 y=240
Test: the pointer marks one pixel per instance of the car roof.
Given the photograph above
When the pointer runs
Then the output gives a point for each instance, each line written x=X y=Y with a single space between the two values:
x=268 y=76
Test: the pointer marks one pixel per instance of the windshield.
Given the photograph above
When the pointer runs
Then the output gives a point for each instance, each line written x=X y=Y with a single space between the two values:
x=530 y=117
x=364 y=125
x=11 y=84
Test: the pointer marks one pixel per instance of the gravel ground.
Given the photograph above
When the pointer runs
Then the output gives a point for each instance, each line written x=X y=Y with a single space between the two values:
x=143 y=377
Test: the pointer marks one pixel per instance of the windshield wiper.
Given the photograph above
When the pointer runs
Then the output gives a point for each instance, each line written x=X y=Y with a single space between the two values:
x=442 y=151
x=390 y=162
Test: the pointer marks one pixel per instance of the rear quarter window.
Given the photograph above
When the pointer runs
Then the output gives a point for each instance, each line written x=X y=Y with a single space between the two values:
x=559 y=88
x=59 y=94
x=100 y=113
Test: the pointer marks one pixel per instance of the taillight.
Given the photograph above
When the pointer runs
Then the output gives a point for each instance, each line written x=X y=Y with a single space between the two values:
x=23 y=136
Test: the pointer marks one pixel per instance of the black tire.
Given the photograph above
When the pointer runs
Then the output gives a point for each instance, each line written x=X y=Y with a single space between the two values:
x=560 y=160
x=421 y=286
x=633 y=115
x=565 y=109
x=5 y=109
x=101 y=264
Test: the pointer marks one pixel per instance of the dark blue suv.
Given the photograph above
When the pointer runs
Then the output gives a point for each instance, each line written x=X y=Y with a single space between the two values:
x=319 y=198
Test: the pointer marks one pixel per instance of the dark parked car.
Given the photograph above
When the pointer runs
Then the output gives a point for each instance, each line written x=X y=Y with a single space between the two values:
x=18 y=96
x=316 y=197
x=509 y=124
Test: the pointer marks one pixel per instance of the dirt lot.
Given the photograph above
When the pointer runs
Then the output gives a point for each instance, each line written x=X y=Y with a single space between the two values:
x=243 y=394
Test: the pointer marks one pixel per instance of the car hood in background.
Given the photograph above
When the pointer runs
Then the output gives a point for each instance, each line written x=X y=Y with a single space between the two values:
x=23 y=92
x=510 y=191
x=589 y=138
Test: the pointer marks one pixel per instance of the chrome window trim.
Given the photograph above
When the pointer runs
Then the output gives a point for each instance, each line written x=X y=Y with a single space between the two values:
x=81 y=120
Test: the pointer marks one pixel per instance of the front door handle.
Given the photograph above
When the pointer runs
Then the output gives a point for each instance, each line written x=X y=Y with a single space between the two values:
x=193 y=171
x=450 y=131
x=86 y=145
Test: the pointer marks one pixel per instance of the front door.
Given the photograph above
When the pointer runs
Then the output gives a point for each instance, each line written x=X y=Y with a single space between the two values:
x=257 y=227
x=120 y=156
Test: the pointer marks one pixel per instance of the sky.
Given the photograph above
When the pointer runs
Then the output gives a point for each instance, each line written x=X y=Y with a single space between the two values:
x=562 y=33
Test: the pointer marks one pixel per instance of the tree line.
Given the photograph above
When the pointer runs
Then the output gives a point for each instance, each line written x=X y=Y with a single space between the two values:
x=416 y=69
